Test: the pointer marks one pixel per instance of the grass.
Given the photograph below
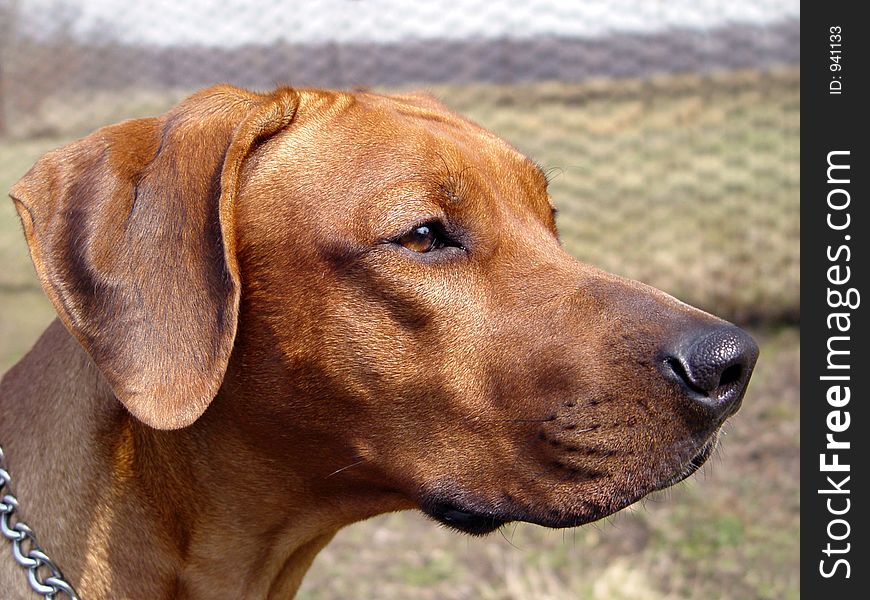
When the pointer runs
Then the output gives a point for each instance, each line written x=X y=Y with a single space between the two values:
x=688 y=183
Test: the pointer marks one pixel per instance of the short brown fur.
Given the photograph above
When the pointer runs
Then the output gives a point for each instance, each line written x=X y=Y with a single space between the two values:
x=246 y=361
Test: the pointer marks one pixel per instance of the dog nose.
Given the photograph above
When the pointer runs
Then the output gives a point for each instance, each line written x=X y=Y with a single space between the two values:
x=713 y=366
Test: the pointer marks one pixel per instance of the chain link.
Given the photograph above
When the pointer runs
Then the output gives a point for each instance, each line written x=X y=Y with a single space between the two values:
x=43 y=575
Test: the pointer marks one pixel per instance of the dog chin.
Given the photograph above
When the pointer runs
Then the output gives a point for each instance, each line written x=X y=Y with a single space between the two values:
x=478 y=522
x=695 y=463
x=459 y=513
x=475 y=518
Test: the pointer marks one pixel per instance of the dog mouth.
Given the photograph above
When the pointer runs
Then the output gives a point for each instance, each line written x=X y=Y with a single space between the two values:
x=475 y=518
x=467 y=515
x=695 y=463
x=463 y=519
x=479 y=521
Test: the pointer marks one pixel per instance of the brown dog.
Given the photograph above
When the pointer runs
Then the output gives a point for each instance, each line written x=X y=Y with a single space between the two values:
x=283 y=313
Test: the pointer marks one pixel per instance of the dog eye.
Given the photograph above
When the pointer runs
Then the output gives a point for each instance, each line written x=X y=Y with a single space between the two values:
x=423 y=238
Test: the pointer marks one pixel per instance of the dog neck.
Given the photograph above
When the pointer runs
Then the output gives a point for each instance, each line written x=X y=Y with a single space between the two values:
x=129 y=511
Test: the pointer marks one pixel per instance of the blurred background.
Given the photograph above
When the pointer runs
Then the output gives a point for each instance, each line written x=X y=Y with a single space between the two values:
x=671 y=130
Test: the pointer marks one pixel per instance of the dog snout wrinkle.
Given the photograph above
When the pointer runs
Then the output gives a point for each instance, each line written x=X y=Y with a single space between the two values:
x=713 y=366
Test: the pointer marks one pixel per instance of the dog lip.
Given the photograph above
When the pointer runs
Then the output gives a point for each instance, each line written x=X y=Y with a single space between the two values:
x=695 y=463
x=473 y=517
x=480 y=522
x=482 y=519
x=463 y=519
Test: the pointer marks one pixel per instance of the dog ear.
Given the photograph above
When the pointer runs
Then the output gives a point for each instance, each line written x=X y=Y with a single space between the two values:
x=131 y=231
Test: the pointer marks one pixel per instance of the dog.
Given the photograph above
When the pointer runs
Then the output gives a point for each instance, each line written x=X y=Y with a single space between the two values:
x=282 y=313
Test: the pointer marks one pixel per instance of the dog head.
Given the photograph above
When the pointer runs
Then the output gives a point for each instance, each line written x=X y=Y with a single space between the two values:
x=374 y=286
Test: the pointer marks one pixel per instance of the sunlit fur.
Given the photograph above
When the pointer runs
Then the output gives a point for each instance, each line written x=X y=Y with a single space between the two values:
x=246 y=361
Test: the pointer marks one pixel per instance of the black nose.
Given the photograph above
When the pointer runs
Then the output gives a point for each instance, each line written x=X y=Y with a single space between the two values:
x=713 y=365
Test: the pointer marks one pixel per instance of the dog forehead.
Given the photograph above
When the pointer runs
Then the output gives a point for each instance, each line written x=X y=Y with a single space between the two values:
x=399 y=132
x=349 y=157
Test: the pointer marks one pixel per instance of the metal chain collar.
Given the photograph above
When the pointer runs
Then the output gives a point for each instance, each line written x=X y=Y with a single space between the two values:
x=42 y=574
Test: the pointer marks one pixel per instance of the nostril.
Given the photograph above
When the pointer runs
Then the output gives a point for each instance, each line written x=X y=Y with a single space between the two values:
x=713 y=366
x=680 y=371
x=731 y=375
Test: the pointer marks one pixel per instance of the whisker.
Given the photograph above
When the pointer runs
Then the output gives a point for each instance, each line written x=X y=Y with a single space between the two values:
x=552 y=173
x=336 y=472
x=501 y=531
x=521 y=420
